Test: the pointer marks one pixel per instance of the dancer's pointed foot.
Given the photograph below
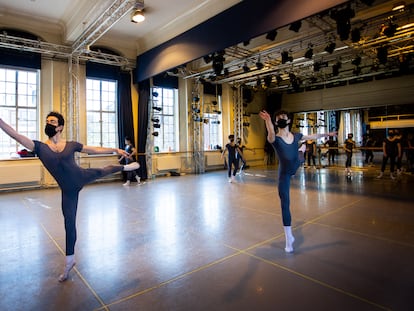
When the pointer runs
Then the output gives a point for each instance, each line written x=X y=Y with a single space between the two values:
x=289 y=244
x=131 y=167
x=70 y=263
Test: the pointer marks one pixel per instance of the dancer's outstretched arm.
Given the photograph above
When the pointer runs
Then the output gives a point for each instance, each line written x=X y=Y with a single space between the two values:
x=25 y=141
x=103 y=150
x=271 y=136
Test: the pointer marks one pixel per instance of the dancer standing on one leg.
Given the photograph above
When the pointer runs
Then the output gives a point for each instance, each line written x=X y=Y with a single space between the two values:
x=57 y=155
x=286 y=146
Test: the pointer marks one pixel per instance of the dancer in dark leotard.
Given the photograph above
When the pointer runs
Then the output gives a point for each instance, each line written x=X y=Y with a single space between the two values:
x=286 y=145
x=233 y=162
x=57 y=155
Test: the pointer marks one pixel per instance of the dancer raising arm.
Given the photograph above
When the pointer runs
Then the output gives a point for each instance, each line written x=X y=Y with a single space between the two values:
x=57 y=155
x=285 y=144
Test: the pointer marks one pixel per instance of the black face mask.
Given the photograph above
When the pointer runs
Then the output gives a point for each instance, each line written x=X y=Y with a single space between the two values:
x=50 y=130
x=282 y=123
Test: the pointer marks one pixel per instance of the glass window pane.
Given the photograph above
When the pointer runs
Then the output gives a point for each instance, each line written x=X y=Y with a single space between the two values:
x=101 y=103
x=18 y=106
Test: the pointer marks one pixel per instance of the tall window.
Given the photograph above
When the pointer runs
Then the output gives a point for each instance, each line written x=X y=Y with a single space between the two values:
x=18 y=106
x=101 y=114
x=165 y=109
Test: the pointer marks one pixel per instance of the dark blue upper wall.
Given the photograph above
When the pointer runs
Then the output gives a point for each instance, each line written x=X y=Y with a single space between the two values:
x=244 y=21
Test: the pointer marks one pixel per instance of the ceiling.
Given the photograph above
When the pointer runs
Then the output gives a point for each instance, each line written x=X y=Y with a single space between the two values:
x=71 y=18
x=378 y=44
x=75 y=25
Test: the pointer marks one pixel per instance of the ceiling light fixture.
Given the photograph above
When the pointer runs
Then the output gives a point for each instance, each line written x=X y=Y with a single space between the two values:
x=399 y=6
x=137 y=15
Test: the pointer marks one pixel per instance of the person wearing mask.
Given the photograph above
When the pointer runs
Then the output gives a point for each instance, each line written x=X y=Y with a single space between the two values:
x=349 y=145
x=232 y=149
x=369 y=153
x=132 y=153
x=285 y=144
x=310 y=152
x=240 y=156
x=57 y=155
x=391 y=149
x=332 y=150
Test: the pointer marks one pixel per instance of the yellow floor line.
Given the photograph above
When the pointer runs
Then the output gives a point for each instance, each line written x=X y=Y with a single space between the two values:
x=76 y=270
x=365 y=234
x=315 y=280
x=147 y=290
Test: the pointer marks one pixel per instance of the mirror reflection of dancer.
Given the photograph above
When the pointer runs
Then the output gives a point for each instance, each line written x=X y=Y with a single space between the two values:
x=286 y=146
x=233 y=162
x=57 y=155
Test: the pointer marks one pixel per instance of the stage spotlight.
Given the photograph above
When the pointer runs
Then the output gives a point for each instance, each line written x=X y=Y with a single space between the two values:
x=356 y=35
x=246 y=43
x=286 y=57
x=330 y=48
x=335 y=69
x=271 y=35
x=259 y=65
x=356 y=61
x=267 y=80
x=309 y=53
x=246 y=68
x=343 y=21
x=279 y=79
x=389 y=30
x=382 y=54
x=207 y=58
x=295 y=26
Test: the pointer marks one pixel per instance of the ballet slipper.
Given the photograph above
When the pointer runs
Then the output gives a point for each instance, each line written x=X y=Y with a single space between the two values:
x=70 y=263
x=289 y=239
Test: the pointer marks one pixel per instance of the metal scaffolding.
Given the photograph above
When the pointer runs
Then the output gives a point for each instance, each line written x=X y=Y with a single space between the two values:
x=196 y=110
x=238 y=111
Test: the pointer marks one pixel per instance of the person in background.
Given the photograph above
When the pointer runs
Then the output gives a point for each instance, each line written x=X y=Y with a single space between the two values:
x=410 y=152
x=332 y=150
x=57 y=155
x=240 y=156
x=132 y=154
x=399 y=138
x=232 y=149
x=391 y=149
x=369 y=153
x=310 y=152
x=285 y=144
x=349 y=145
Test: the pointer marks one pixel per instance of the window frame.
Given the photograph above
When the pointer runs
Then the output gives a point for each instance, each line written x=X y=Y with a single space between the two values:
x=102 y=113
x=28 y=126
x=168 y=112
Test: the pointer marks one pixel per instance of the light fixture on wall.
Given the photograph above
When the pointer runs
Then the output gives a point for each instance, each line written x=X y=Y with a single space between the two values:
x=137 y=15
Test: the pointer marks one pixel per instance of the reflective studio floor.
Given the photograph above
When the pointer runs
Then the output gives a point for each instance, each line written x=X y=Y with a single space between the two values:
x=197 y=242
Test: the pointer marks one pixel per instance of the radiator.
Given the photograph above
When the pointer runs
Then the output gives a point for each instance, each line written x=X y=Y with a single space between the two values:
x=214 y=159
x=20 y=171
x=168 y=163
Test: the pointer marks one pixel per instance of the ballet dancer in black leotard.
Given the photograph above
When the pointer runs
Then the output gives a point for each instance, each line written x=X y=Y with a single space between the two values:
x=286 y=146
x=57 y=155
